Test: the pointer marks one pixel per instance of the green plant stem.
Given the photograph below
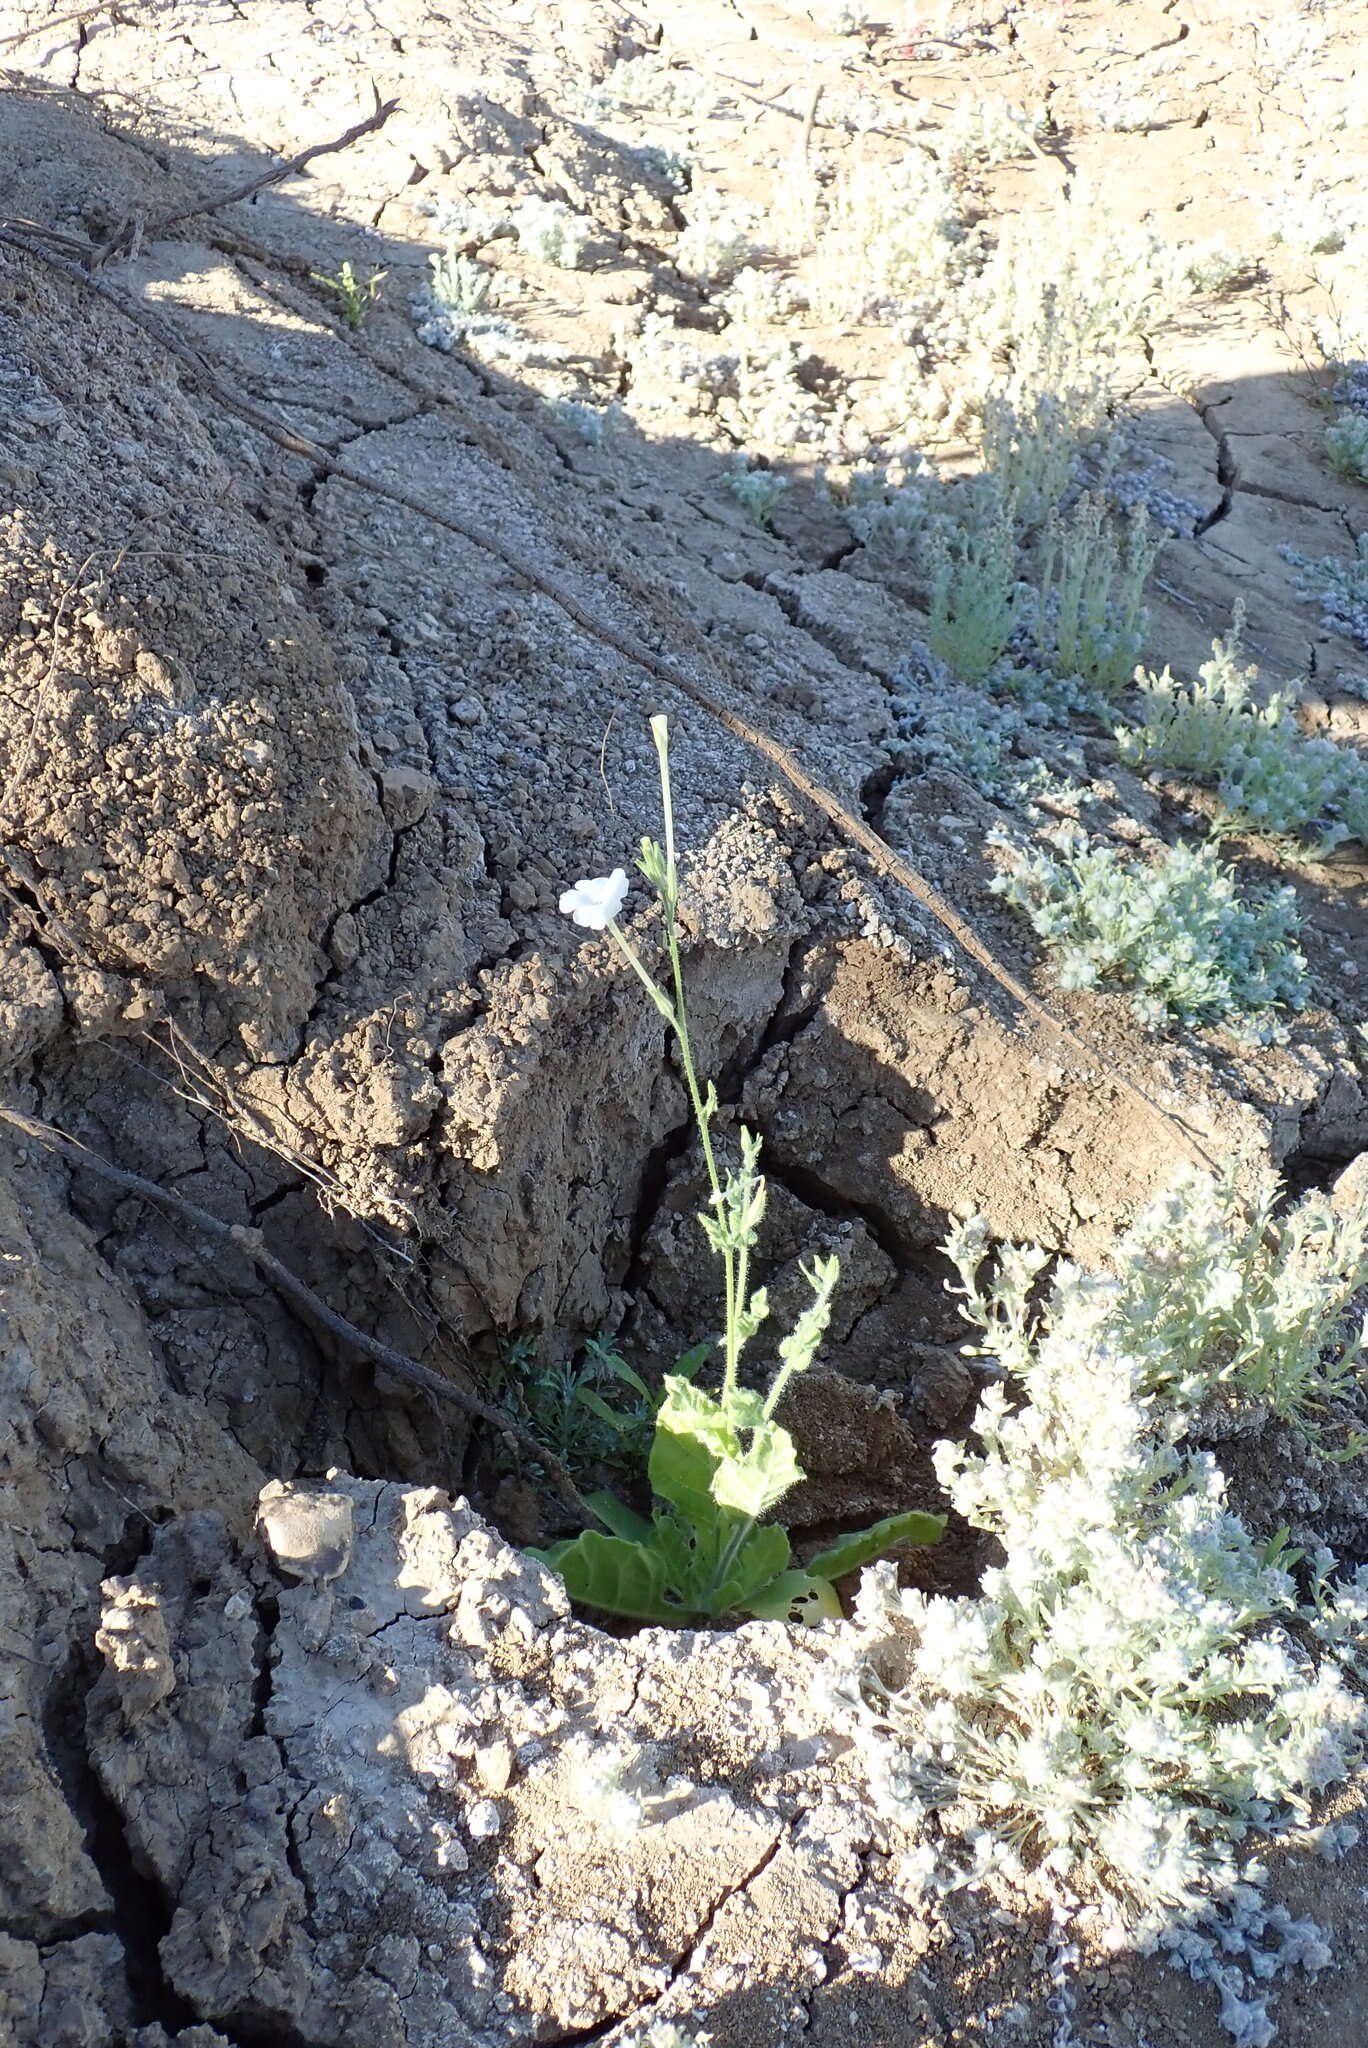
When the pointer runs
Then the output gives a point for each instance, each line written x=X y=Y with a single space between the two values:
x=729 y=1557
x=734 y=1297
x=674 y=1015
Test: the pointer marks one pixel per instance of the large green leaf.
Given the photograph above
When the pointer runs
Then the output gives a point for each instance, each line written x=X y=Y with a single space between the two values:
x=692 y=1437
x=794 y=1596
x=617 y=1516
x=759 y=1478
x=619 y=1423
x=761 y=1559
x=614 y=1363
x=608 y=1572
x=681 y=1470
x=862 y=1546
x=675 y=1542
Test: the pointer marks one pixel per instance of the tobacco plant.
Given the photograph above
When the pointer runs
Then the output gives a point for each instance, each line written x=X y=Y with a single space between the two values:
x=719 y=1462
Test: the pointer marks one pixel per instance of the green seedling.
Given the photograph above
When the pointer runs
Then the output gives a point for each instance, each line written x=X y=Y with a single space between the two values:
x=356 y=295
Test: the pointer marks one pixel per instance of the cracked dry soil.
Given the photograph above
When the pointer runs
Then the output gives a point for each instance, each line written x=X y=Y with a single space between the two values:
x=291 y=778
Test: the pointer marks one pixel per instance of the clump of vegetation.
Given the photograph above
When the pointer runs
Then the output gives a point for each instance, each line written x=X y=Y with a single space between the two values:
x=1142 y=1688
x=1091 y=619
x=649 y=84
x=1175 y=932
x=758 y=491
x=594 y=425
x=356 y=294
x=562 y=1403
x=890 y=507
x=716 y=241
x=996 y=746
x=1346 y=443
x=719 y=1463
x=459 y=302
x=888 y=236
x=1032 y=443
x=1269 y=776
x=1340 y=588
x=665 y=2034
x=977 y=596
x=979 y=134
x=550 y=231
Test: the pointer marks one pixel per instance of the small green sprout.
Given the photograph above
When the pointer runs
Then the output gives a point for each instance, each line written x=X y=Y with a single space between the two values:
x=357 y=295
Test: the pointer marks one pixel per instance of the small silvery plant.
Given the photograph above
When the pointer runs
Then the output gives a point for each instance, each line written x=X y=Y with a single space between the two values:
x=606 y=1783
x=995 y=746
x=1216 y=1296
x=1175 y=932
x=1091 y=619
x=757 y=491
x=891 y=507
x=1269 y=776
x=459 y=303
x=594 y=425
x=649 y=84
x=1339 y=587
x=1346 y=443
x=665 y=2034
x=716 y=240
x=1032 y=445
x=977 y=597
x=1142 y=1689
x=980 y=134
x=548 y=230
x=719 y=1463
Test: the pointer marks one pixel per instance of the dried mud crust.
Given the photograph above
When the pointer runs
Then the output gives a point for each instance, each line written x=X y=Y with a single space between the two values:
x=305 y=773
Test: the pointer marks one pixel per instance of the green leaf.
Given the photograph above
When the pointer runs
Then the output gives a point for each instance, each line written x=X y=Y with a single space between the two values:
x=675 y=1543
x=681 y=1470
x=862 y=1546
x=617 y=1576
x=758 y=1480
x=617 y=1516
x=794 y=1596
x=613 y=1362
x=761 y=1558
x=693 y=1361
x=692 y=1437
x=614 y=1417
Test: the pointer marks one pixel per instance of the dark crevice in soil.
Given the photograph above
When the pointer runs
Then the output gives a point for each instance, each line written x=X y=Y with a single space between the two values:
x=258 y=1209
x=141 y=1918
x=813 y=1192
x=651 y=1185
x=796 y=1008
x=640 y=2015
x=1308 y=1168
x=139 y=1914
x=1227 y=473
x=874 y=794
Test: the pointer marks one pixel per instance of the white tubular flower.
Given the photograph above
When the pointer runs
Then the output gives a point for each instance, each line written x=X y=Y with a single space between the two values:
x=595 y=903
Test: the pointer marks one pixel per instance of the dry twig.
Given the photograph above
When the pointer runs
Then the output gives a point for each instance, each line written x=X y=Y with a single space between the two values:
x=79 y=15
x=253 y=1245
x=374 y=121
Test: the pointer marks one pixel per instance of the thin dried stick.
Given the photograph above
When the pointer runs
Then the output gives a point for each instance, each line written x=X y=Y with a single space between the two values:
x=383 y=110
x=80 y=14
x=251 y=1243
